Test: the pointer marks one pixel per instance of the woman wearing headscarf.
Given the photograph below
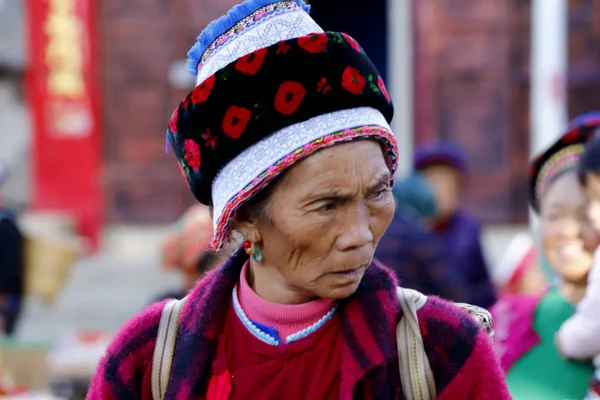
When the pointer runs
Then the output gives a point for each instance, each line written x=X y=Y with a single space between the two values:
x=444 y=166
x=286 y=136
x=526 y=325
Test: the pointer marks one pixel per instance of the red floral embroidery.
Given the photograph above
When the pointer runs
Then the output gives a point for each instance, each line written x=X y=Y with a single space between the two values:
x=313 y=43
x=235 y=121
x=202 y=91
x=210 y=140
x=288 y=97
x=186 y=102
x=323 y=87
x=353 y=43
x=383 y=89
x=283 y=48
x=353 y=81
x=572 y=136
x=192 y=154
x=251 y=63
x=173 y=122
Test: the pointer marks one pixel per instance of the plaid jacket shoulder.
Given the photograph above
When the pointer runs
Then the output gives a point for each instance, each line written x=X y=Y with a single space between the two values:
x=128 y=360
x=449 y=335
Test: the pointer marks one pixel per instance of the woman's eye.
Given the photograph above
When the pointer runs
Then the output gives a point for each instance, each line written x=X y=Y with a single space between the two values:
x=381 y=193
x=326 y=207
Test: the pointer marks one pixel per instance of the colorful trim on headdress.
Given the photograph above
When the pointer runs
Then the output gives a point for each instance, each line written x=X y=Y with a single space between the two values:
x=307 y=80
x=588 y=119
x=562 y=155
x=222 y=228
x=564 y=160
x=272 y=85
x=252 y=162
x=266 y=26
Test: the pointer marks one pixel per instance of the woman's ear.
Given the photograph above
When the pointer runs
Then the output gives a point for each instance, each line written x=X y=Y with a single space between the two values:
x=247 y=226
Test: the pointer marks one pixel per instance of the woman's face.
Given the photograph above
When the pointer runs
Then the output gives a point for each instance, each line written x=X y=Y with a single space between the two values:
x=567 y=235
x=326 y=218
x=445 y=182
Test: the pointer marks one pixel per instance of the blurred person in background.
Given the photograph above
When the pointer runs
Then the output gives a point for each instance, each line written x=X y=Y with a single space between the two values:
x=420 y=260
x=415 y=198
x=579 y=336
x=526 y=325
x=11 y=265
x=289 y=141
x=519 y=270
x=186 y=250
x=444 y=166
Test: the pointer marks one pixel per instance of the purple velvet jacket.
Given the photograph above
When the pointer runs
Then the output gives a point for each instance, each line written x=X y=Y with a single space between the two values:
x=459 y=351
x=462 y=237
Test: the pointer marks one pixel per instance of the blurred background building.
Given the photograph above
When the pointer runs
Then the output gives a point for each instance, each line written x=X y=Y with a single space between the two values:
x=87 y=87
x=471 y=69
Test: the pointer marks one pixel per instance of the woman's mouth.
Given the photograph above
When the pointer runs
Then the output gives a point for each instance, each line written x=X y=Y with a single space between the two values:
x=349 y=273
x=569 y=250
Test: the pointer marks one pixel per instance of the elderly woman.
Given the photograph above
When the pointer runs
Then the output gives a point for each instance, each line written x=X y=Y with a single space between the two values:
x=527 y=324
x=286 y=136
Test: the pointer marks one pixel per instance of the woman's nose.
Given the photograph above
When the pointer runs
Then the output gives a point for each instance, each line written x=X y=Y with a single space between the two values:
x=356 y=231
x=569 y=228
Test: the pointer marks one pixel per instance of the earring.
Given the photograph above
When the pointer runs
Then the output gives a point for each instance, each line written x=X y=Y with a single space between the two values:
x=253 y=251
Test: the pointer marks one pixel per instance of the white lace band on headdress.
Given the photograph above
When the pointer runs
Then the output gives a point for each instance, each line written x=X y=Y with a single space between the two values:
x=267 y=26
x=249 y=165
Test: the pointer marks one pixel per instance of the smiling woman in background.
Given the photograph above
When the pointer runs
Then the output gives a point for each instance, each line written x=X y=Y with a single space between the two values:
x=526 y=325
x=286 y=135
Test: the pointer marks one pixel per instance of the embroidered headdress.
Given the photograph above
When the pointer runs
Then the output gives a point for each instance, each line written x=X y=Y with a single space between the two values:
x=562 y=156
x=271 y=88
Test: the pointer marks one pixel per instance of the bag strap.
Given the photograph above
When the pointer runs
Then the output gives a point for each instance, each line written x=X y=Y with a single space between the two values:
x=418 y=382
x=164 y=347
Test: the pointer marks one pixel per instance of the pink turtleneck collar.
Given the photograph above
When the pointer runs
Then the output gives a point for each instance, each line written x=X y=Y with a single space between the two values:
x=286 y=319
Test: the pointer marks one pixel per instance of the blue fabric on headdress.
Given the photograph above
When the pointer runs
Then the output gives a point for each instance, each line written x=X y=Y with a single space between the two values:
x=589 y=118
x=223 y=24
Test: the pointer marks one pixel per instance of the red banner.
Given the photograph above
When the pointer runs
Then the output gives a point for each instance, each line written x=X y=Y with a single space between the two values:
x=63 y=93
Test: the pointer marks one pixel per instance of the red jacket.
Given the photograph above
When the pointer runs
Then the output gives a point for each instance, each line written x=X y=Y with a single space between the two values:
x=459 y=351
